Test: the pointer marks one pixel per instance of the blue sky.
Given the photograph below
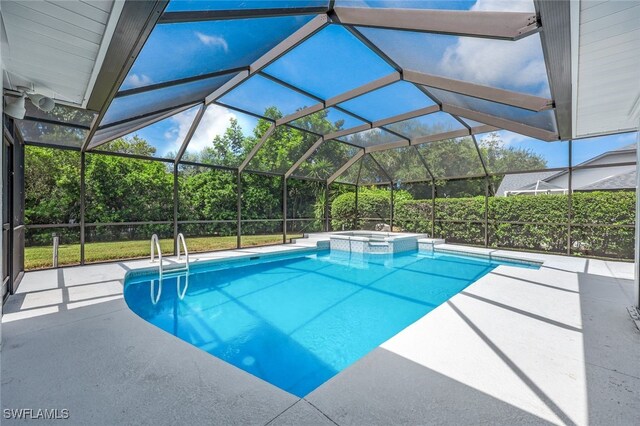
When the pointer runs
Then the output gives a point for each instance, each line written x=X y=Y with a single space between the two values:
x=585 y=149
x=394 y=99
x=557 y=153
x=167 y=135
x=175 y=51
x=332 y=62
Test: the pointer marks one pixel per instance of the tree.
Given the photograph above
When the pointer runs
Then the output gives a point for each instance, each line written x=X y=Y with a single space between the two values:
x=132 y=145
x=120 y=189
x=52 y=186
x=227 y=149
x=500 y=158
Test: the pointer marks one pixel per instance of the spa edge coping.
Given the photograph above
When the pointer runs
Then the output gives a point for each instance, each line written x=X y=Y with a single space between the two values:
x=387 y=236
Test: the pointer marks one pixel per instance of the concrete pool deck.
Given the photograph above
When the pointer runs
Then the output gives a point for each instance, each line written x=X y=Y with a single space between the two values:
x=519 y=346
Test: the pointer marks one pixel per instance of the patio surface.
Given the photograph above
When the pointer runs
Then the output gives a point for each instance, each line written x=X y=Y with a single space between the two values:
x=518 y=346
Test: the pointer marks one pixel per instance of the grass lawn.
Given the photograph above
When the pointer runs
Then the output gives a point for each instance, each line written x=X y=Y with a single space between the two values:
x=37 y=257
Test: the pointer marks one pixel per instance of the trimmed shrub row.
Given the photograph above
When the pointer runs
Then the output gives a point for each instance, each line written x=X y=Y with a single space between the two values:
x=602 y=222
x=374 y=206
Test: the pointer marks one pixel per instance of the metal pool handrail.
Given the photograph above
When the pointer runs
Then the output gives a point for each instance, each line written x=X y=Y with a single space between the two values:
x=155 y=244
x=184 y=246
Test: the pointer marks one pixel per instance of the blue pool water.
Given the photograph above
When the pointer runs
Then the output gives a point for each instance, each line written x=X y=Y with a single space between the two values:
x=296 y=321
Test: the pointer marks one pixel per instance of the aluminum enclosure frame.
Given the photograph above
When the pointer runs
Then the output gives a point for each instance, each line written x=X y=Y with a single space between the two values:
x=493 y=25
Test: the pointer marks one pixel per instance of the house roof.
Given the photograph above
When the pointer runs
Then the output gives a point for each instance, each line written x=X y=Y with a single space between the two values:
x=625 y=180
x=521 y=181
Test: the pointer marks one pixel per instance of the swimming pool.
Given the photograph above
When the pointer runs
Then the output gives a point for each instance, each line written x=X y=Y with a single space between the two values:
x=299 y=319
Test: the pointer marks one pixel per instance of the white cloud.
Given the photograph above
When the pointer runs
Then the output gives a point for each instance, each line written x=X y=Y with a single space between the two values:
x=511 y=138
x=497 y=63
x=138 y=80
x=212 y=40
x=507 y=138
x=214 y=122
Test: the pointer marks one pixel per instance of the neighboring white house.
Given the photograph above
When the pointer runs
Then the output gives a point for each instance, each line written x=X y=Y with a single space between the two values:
x=609 y=178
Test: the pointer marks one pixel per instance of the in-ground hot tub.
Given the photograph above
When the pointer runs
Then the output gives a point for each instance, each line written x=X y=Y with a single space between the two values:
x=374 y=242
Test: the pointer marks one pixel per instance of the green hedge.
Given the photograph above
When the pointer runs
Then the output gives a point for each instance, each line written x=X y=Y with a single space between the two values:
x=608 y=210
x=415 y=216
x=549 y=212
x=604 y=208
x=374 y=206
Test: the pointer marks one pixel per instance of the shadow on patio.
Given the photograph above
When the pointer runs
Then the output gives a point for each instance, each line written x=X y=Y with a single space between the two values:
x=554 y=345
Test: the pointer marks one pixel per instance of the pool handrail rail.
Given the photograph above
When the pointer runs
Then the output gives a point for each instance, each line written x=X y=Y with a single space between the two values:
x=184 y=246
x=155 y=244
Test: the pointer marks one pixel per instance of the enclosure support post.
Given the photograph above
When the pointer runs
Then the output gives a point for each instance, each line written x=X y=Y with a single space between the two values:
x=433 y=208
x=175 y=209
x=284 y=210
x=357 y=218
x=82 y=205
x=486 y=211
x=392 y=209
x=569 y=197
x=239 y=210
x=326 y=206
x=486 y=187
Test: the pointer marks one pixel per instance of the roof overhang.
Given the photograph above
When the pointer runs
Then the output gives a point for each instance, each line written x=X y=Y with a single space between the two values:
x=42 y=53
x=605 y=64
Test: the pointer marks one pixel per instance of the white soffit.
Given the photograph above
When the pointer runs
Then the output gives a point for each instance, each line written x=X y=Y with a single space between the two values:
x=606 y=66
x=57 y=47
